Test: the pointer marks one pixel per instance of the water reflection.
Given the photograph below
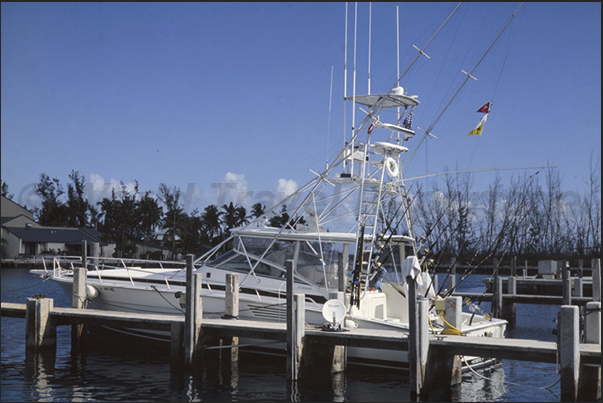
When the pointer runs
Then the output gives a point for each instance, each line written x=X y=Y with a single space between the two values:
x=39 y=373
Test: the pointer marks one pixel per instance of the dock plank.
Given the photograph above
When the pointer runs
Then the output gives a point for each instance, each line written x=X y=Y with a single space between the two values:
x=512 y=349
x=244 y=328
x=370 y=338
x=12 y=310
x=524 y=298
x=72 y=316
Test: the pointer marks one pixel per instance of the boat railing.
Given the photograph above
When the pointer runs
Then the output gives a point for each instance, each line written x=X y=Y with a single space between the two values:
x=63 y=266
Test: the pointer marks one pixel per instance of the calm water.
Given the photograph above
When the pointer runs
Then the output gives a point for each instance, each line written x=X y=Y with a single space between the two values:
x=126 y=370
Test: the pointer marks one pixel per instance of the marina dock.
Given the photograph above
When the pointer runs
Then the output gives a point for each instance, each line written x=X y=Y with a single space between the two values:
x=580 y=362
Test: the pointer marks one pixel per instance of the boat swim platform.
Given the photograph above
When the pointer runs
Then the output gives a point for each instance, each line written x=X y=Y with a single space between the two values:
x=500 y=348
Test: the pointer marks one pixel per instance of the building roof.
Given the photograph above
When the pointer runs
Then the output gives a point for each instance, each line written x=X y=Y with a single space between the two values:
x=69 y=236
x=9 y=208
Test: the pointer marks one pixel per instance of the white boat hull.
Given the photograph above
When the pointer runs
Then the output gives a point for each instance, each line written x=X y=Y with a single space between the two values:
x=153 y=300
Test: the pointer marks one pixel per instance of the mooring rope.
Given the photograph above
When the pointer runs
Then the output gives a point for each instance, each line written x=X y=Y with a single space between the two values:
x=29 y=286
x=511 y=383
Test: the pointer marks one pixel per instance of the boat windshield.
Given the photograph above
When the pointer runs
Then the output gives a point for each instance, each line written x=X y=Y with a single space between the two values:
x=319 y=269
x=317 y=262
x=236 y=262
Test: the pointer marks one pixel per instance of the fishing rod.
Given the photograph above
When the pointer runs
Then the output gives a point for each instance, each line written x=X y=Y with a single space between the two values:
x=467 y=273
x=356 y=274
x=381 y=257
x=481 y=298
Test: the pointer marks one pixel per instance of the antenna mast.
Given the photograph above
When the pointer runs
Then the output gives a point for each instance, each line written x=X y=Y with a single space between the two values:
x=369 y=49
x=354 y=84
x=345 y=77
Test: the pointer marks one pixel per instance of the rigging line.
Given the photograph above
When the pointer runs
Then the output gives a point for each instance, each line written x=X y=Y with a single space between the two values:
x=422 y=51
x=504 y=61
x=479 y=170
x=469 y=75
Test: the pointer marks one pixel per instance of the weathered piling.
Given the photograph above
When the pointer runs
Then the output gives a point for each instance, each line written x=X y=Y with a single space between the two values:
x=577 y=287
x=509 y=307
x=452 y=276
x=442 y=368
x=416 y=379
x=592 y=323
x=295 y=335
x=596 y=276
x=231 y=311
x=40 y=328
x=589 y=389
x=193 y=314
x=94 y=253
x=295 y=332
x=496 y=290
x=78 y=297
x=569 y=353
x=566 y=283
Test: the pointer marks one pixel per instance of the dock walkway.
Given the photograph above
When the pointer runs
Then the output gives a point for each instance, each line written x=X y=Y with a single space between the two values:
x=501 y=348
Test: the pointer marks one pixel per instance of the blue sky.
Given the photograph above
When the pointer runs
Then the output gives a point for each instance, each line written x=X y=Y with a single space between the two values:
x=198 y=94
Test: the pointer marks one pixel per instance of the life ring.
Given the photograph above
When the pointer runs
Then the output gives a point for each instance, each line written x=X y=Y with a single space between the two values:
x=391 y=167
x=370 y=129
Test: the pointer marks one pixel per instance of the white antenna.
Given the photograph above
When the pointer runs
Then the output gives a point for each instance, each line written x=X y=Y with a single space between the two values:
x=354 y=81
x=398 y=51
x=398 y=41
x=369 y=49
x=329 y=122
x=345 y=76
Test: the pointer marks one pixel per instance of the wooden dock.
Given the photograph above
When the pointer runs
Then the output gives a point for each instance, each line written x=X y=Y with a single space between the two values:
x=433 y=359
x=523 y=298
x=588 y=354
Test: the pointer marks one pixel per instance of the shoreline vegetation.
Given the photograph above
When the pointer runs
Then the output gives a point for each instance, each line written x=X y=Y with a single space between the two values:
x=530 y=219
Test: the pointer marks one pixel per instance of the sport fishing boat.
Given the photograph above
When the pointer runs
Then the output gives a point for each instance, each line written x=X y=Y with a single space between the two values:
x=350 y=236
x=347 y=234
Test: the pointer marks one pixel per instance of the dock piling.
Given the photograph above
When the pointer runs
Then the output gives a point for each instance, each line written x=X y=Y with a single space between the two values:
x=193 y=314
x=596 y=276
x=509 y=308
x=40 y=328
x=569 y=353
x=590 y=376
x=423 y=340
x=78 y=297
x=231 y=311
x=414 y=369
x=592 y=323
x=296 y=317
x=566 y=283
x=578 y=287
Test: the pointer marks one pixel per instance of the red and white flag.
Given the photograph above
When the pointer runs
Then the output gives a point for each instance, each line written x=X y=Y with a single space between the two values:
x=485 y=108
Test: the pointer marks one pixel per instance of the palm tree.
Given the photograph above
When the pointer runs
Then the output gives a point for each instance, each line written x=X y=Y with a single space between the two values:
x=174 y=216
x=257 y=210
x=230 y=216
x=241 y=216
x=210 y=220
x=150 y=213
